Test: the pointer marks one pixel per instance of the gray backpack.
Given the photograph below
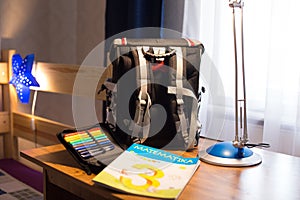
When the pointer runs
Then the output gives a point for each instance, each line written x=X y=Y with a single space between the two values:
x=153 y=95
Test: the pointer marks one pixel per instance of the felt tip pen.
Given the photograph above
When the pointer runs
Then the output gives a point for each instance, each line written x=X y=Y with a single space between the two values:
x=93 y=151
x=109 y=148
x=73 y=134
x=76 y=137
x=90 y=154
x=100 y=137
x=104 y=142
x=96 y=147
x=82 y=144
x=86 y=146
x=81 y=141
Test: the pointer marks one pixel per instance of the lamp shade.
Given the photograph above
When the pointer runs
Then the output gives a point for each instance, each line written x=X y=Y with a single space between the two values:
x=22 y=78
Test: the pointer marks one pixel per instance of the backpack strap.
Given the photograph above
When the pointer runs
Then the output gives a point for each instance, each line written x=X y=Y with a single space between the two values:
x=111 y=105
x=182 y=126
x=141 y=125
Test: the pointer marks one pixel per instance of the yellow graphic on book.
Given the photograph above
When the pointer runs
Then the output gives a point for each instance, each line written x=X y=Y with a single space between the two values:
x=151 y=181
x=163 y=193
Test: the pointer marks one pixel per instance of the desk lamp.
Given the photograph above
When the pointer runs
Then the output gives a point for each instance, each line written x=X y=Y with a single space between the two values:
x=235 y=153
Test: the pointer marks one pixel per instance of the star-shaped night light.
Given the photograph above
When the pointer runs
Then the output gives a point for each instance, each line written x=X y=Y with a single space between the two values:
x=22 y=78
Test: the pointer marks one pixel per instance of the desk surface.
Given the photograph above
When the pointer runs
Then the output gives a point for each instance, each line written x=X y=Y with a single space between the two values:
x=277 y=177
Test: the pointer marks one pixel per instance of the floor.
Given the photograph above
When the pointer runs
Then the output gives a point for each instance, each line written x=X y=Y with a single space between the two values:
x=19 y=182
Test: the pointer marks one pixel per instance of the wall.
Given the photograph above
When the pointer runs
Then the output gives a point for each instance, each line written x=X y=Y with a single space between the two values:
x=24 y=26
x=56 y=31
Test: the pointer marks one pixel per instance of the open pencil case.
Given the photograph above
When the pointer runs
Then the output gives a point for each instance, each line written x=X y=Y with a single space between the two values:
x=92 y=147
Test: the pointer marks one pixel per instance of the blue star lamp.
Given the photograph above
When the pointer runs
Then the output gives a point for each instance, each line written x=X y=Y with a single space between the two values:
x=22 y=78
x=235 y=153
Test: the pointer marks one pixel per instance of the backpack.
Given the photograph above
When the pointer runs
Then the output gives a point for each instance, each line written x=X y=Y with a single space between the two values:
x=152 y=96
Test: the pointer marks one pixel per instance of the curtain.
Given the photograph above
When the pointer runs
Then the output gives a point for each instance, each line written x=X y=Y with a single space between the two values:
x=272 y=67
x=123 y=15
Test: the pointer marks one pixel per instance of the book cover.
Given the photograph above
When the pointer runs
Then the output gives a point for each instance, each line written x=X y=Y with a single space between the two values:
x=148 y=171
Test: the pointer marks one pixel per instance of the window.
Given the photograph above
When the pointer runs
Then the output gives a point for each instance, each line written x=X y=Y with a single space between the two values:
x=272 y=63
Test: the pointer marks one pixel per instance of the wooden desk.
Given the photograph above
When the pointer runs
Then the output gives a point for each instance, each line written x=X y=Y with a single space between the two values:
x=277 y=177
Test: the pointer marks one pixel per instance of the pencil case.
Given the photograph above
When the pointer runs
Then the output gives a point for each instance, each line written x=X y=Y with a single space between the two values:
x=92 y=147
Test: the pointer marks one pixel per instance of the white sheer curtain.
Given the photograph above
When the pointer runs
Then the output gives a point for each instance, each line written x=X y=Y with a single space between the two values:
x=272 y=65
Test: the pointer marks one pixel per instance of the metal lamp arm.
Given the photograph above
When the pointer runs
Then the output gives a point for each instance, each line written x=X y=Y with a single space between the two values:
x=239 y=142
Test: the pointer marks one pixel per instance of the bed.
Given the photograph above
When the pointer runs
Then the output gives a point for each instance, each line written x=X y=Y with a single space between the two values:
x=56 y=80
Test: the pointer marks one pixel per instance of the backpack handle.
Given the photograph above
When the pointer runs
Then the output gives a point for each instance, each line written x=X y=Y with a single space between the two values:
x=148 y=54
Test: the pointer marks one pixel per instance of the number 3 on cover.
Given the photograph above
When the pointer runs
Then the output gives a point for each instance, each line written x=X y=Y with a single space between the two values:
x=150 y=180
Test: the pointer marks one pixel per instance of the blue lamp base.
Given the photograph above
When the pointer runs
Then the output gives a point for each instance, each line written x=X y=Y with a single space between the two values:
x=225 y=154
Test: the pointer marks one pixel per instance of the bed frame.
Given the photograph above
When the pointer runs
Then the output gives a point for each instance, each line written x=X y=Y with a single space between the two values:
x=60 y=80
